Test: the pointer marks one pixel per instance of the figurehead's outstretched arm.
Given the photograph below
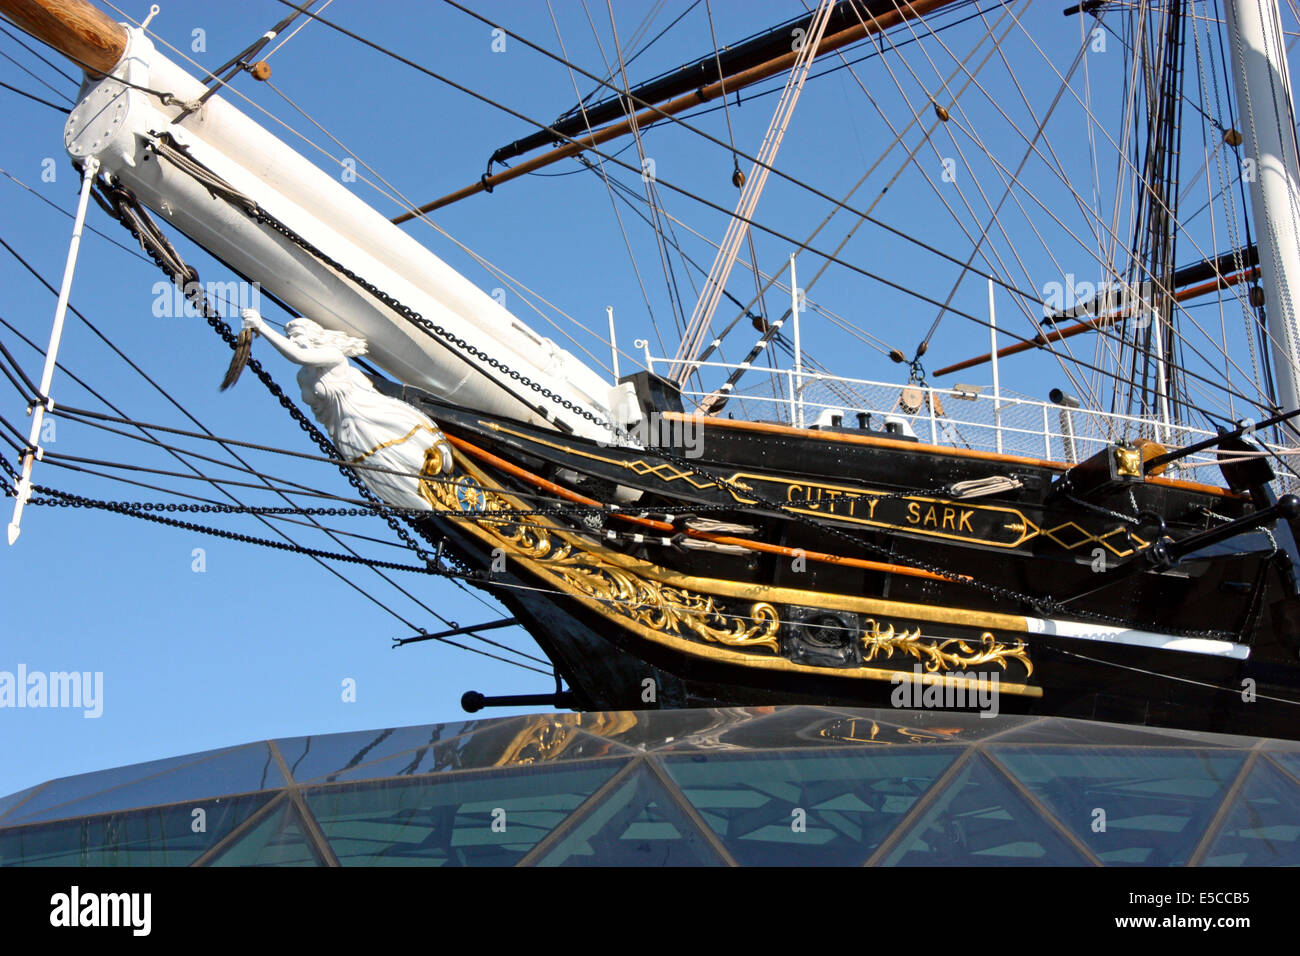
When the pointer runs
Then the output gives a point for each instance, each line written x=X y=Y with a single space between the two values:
x=301 y=355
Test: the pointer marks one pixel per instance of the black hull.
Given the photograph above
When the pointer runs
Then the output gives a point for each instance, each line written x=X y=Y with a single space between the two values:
x=880 y=632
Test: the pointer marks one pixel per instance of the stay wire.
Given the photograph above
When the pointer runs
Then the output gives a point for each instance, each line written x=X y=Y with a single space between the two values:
x=30 y=96
x=560 y=136
x=778 y=234
x=187 y=414
x=67 y=499
x=48 y=86
x=36 y=53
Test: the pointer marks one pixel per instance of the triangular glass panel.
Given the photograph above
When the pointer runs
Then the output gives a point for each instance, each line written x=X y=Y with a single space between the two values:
x=755 y=728
x=926 y=725
x=824 y=807
x=1263 y=826
x=639 y=824
x=158 y=836
x=981 y=820
x=14 y=799
x=311 y=758
x=239 y=770
x=668 y=729
x=1288 y=759
x=278 y=840
x=1061 y=730
x=1130 y=806
x=531 y=747
x=67 y=790
x=468 y=818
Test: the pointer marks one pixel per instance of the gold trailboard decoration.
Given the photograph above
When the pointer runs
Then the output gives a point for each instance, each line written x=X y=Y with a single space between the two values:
x=656 y=605
x=945 y=655
x=749 y=632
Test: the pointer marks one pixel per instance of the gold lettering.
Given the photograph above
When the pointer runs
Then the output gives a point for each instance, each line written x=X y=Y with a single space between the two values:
x=840 y=502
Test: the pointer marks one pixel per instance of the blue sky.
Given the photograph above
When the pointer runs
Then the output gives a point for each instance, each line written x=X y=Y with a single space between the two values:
x=259 y=643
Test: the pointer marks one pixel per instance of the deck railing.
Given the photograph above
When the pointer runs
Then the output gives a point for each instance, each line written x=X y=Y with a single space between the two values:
x=963 y=417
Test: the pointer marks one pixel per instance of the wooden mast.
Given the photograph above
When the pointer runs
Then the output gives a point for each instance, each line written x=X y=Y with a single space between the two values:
x=81 y=32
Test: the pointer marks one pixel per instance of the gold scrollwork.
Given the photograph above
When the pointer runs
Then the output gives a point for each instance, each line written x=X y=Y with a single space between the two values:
x=655 y=605
x=937 y=656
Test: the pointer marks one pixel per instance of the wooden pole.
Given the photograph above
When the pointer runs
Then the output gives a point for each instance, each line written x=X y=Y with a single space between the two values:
x=648 y=117
x=1091 y=325
x=81 y=32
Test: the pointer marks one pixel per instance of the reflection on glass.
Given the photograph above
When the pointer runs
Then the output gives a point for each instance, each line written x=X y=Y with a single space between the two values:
x=12 y=801
x=1290 y=759
x=1061 y=730
x=277 y=840
x=981 y=820
x=158 y=837
x=806 y=809
x=461 y=820
x=312 y=758
x=1263 y=826
x=639 y=824
x=160 y=781
x=1144 y=807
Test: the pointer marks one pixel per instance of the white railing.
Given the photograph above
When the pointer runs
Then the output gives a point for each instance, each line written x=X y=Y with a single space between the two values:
x=964 y=417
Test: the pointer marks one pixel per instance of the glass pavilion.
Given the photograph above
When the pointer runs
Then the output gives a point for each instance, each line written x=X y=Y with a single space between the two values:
x=755 y=786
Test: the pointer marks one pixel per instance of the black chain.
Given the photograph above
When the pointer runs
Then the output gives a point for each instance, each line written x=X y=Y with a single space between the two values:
x=141 y=510
x=582 y=512
x=1046 y=604
x=123 y=205
x=9 y=490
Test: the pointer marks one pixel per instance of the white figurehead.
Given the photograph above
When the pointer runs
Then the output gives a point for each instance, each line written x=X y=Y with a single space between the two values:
x=384 y=438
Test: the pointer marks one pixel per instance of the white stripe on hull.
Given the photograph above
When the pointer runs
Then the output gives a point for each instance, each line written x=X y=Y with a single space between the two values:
x=1107 y=634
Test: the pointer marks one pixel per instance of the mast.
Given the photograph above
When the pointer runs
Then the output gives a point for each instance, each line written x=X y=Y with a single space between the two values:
x=1266 y=114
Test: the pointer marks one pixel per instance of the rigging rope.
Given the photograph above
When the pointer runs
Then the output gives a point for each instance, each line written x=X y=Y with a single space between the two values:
x=1045 y=604
x=370 y=596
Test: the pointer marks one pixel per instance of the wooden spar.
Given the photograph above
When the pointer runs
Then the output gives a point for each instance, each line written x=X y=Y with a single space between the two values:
x=654 y=114
x=1090 y=325
x=81 y=32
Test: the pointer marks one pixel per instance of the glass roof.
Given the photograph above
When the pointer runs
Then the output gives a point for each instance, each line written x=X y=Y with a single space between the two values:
x=753 y=786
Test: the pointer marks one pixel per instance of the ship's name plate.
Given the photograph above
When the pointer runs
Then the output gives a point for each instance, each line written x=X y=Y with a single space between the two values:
x=934 y=517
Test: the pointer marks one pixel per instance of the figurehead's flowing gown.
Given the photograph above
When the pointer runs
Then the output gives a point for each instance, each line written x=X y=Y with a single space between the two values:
x=373 y=429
